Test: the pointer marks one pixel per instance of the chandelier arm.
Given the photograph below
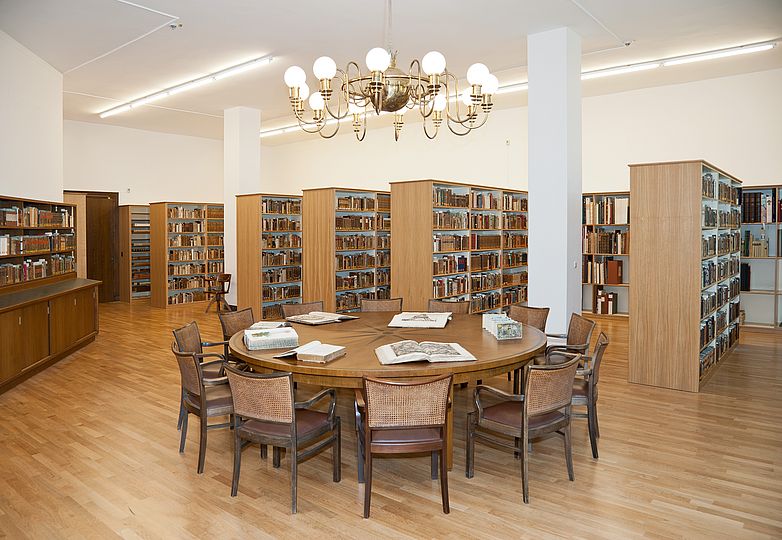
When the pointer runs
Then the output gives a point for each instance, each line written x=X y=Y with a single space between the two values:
x=364 y=128
x=304 y=124
x=336 y=130
x=426 y=132
x=457 y=117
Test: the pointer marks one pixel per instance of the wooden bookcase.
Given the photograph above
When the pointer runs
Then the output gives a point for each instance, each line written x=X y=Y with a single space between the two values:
x=347 y=246
x=606 y=247
x=37 y=242
x=761 y=256
x=461 y=242
x=685 y=274
x=186 y=249
x=269 y=252
x=134 y=270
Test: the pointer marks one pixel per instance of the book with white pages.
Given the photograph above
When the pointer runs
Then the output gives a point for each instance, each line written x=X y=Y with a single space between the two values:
x=268 y=325
x=273 y=338
x=429 y=351
x=315 y=351
x=320 y=317
x=410 y=319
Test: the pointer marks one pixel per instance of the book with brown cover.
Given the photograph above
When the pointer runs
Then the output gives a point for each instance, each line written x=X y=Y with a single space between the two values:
x=613 y=272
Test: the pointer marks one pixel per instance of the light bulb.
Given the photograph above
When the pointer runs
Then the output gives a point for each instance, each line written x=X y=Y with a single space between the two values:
x=440 y=102
x=490 y=85
x=304 y=91
x=433 y=63
x=378 y=59
x=324 y=68
x=294 y=76
x=466 y=98
x=355 y=108
x=316 y=102
x=477 y=73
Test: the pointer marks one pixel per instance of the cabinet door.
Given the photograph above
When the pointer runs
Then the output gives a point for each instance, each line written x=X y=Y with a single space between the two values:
x=23 y=339
x=72 y=316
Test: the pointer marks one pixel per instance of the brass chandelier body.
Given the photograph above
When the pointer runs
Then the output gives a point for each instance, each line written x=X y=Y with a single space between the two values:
x=427 y=87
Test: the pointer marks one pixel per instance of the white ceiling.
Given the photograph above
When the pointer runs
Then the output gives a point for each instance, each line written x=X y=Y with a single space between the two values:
x=219 y=33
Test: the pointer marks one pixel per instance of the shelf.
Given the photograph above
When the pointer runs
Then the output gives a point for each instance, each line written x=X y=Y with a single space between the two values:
x=762 y=292
x=611 y=284
x=607 y=254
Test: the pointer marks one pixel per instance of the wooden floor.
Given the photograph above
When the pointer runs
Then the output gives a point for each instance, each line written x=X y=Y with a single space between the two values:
x=88 y=449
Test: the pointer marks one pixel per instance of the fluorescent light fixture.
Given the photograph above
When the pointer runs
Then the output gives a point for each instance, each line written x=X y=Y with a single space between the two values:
x=510 y=88
x=723 y=53
x=619 y=70
x=189 y=85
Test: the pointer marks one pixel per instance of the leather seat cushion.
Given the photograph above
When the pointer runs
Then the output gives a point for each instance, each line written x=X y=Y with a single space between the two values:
x=307 y=421
x=404 y=436
x=212 y=372
x=508 y=413
x=580 y=388
x=218 y=400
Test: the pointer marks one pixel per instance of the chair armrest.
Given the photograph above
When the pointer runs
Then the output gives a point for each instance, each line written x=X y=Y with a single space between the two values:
x=560 y=336
x=200 y=356
x=584 y=372
x=360 y=399
x=317 y=397
x=213 y=343
x=211 y=362
x=581 y=348
x=215 y=382
x=497 y=393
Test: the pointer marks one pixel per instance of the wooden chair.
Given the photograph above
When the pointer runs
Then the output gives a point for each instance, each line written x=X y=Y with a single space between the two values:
x=579 y=334
x=585 y=391
x=218 y=288
x=233 y=322
x=265 y=412
x=543 y=408
x=403 y=418
x=439 y=306
x=202 y=396
x=289 y=310
x=535 y=317
x=391 y=304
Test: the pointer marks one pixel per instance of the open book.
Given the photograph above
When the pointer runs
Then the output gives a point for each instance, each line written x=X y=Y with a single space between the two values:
x=409 y=319
x=412 y=351
x=315 y=351
x=320 y=317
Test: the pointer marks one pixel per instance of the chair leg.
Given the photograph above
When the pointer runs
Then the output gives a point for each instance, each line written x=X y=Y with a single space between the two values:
x=568 y=452
x=470 y=451
x=276 y=457
x=444 y=482
x=264 y=451
x=524 y=468
x=434 y=465
x=237 y=464
x=182 y=411
x=359 y=445
x=202 y=446
x=592 y=430
x=211 y=301
x=336 y=452
x=183 y=435
x=294 y=467
x=597 y=425
x=367 y=481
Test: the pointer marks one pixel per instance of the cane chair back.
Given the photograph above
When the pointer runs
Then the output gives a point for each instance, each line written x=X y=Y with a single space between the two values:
x=549 y=388
x=392 y=304
x=188 y=338
x=235 y=321
x=222 y=283
x=264 y=397
x=288 y=310
x=189 y=370
x=579 y=330
x=440 y=306
x=394 y=405
x=535 y=317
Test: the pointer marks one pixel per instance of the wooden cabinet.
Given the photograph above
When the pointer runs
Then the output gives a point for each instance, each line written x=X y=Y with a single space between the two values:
x=72 y=317
x=23 y=338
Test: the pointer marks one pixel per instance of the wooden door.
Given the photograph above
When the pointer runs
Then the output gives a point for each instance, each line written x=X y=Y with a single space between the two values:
x=71 y=317
x=23 y=339
x=103 y=243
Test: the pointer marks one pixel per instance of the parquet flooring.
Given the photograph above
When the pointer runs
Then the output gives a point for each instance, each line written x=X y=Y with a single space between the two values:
x=88 y=449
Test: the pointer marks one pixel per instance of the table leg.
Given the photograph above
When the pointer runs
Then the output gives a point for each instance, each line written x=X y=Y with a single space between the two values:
x=449 y=438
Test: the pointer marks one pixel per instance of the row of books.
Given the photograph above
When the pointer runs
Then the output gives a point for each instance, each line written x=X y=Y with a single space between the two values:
x=708 y=302
x=187 y=240
x=352 y=300
x=754 y=247
x=281 y=258
x=605 y=272
x=355 y=280
x=708 y=274
x=382 y=277
x=287 y=206
x=708 y=331
x=728 y=242
x=360 y=241
x=727 y=193
x=514 y=241
x=485 y=301
x=214 y=212
x=485 y=241
x=606 y=302
x=709 y=185
x=514 y=295
x=355 y=222
x=443 y=196
x=449 y=264
x=215 y=253
x=281 y=275
x=727 y=268
x=383 y=222
x=383 y=202
x=270 y=294
x=486 y=221
x=36 y=244
x=480 y=262
x=350 y=202
x=215 y=267
x=514 y=278
x=281 y=224
x=214 y=226
x=611 y=242
x=32 y=216
x=450 y=242
x=193 y=254
x=186 y=227
x=29 y=269
x=180 y=212
x=730 y=218
x=186 y=297
x=758 y=207
x=515 y=221
x=708 y=216
x=606 y=211
x=281 y=241
x=446 y=219
x=187 y=269
x=485 y=200
x=514 y=203
x=449 y=286
x=185 y=283
x=512 y=259
x=214 y=240
x=274 y=311
x=489 y=280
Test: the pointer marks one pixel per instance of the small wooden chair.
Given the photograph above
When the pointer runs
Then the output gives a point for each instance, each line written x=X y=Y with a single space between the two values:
x=232 y=322
x=543 y=408
x=535 y=317
x=579 y=334
x=403 y=418
x=265 y=412
x=457 y=307
x=218 y=288
x=288 y=310
x=391 y=305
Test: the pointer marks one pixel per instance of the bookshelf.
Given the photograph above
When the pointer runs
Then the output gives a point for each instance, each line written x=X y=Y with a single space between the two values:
x=606 y=253
x=186 y=241
x=761 y=256
x=685 y=273
x=37 y=242
x=462 y=242
x=347 y=246
x=134 y=268
x=269 y=252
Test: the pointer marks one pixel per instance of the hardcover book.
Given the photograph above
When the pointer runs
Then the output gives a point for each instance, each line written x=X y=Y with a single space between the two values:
x=412 y=351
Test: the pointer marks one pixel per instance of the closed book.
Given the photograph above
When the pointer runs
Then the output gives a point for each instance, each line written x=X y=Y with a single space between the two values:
x=613 y=272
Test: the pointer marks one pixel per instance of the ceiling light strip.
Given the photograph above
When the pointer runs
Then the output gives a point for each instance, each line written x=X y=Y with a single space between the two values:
x=189 y=85
x=723 y=53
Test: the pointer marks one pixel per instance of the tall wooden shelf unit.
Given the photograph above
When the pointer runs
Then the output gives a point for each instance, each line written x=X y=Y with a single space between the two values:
x=761 y=256
x=606 y=245
x=685 y=274
x=134 y=270
x=187 y=250
x=269 y=252
x=347 y=246
x=461 y=242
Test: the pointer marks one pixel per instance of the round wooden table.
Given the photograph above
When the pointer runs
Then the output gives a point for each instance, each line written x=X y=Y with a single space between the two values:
x=363 y=335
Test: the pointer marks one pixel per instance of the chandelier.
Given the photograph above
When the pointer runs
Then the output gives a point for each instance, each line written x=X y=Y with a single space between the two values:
x=428 y=87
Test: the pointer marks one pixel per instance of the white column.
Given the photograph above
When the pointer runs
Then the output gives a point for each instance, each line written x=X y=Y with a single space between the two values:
x=241 y=174
x=554 y=68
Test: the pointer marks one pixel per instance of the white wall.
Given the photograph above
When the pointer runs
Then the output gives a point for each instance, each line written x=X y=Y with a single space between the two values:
x=31 y=138
x=155 y=166
x=734 y=122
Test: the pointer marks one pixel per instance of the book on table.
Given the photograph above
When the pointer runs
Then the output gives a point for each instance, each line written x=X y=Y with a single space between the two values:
x=315 y=351
x=268 y=325
x=408 y=319
x=320 y=317
x=429 y=351
x=274 y=338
